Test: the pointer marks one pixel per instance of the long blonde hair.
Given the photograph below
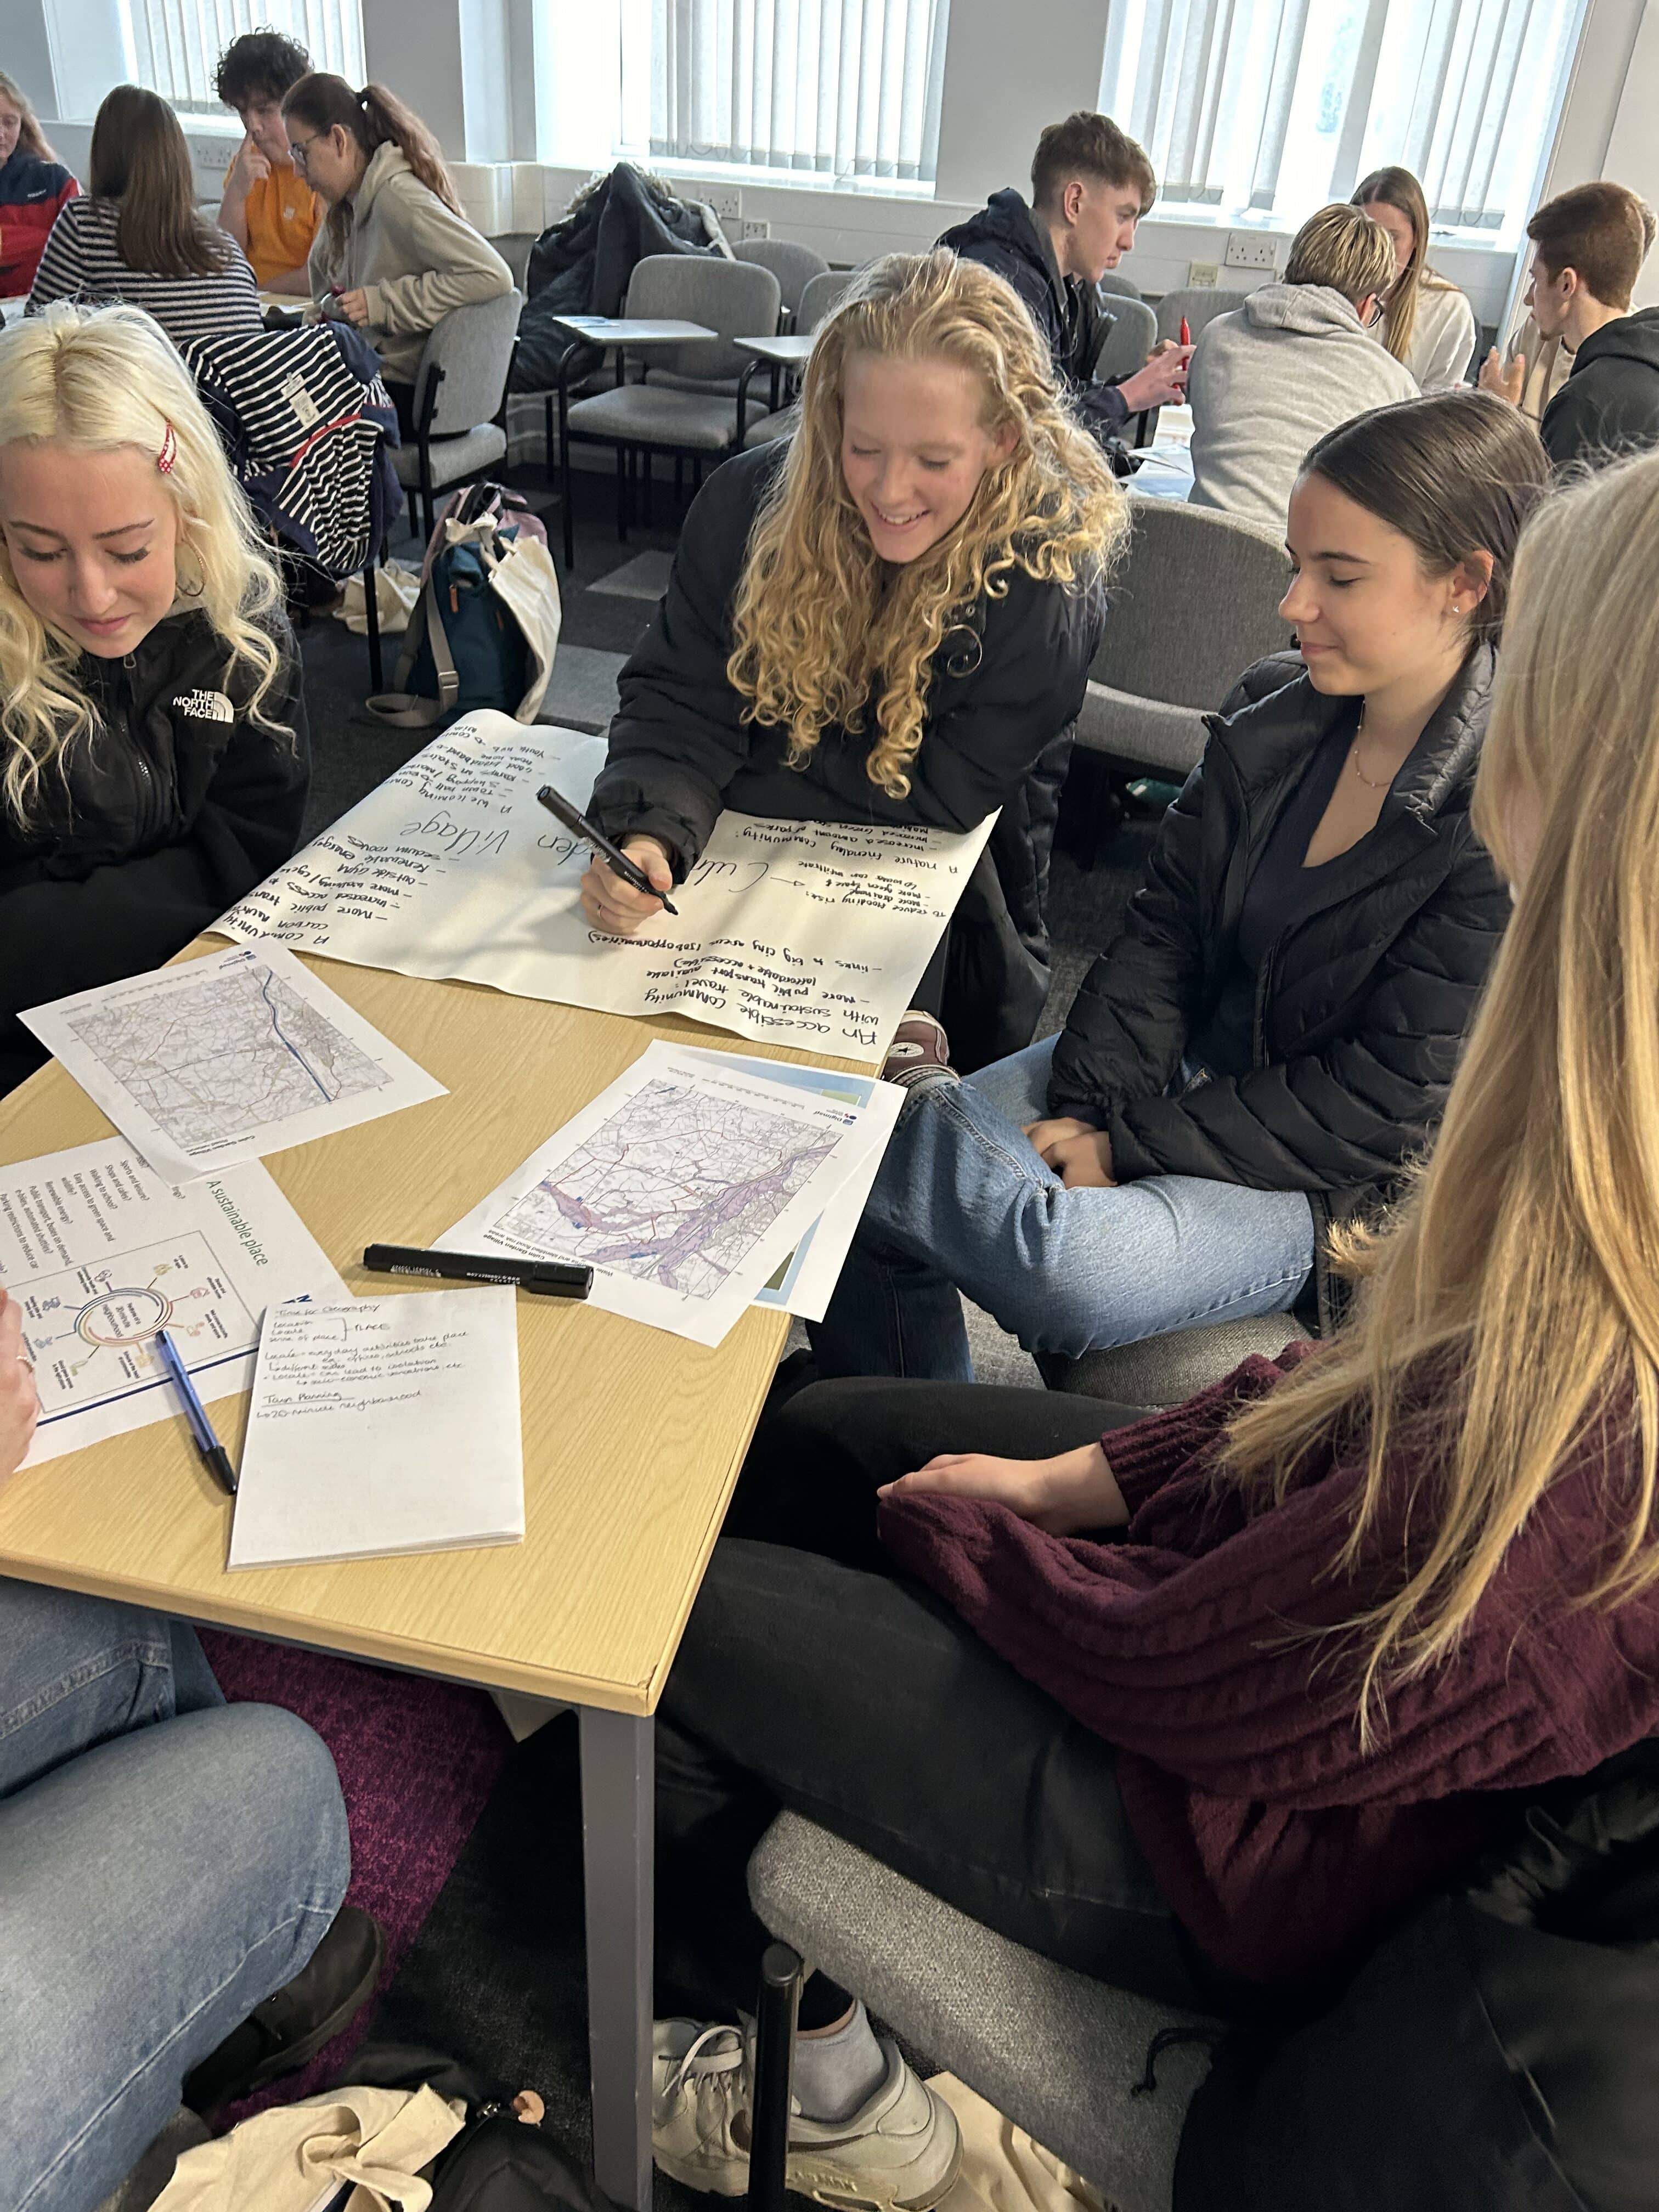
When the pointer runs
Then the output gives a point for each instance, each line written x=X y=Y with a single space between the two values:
x=104 y=378
x=1398 y=189
x=817 y=623
x=1517 y=1285
x=30 y=136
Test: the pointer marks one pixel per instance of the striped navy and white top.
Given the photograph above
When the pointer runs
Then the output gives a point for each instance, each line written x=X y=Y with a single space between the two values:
x=83 y=262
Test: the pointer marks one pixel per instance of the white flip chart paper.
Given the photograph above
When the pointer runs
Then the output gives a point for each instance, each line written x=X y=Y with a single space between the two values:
x=383 y=1425
x=227 y=1057
x=683 y=1185
x=806 y=933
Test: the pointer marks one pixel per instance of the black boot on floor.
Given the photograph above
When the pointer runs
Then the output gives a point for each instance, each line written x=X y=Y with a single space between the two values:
x=291 y=2026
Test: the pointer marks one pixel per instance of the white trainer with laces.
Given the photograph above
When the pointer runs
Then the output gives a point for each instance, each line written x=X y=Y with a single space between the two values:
x=899 y=2152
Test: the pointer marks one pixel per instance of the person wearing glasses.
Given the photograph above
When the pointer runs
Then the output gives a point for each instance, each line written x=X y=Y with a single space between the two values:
x=1296 y=359
x=395 y=254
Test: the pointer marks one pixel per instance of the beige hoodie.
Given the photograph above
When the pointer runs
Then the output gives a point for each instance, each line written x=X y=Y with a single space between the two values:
x=411 y=255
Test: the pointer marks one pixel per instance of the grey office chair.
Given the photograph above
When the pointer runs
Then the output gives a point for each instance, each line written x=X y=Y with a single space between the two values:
x=1167 y=1370
x=821 y=294
x=460 y=387
x=792 y=265
x=1057 y=2053
x=1190 y=608
x=688 y=408
x=1128 y=333
x=1114 y=281
x=1199 y=304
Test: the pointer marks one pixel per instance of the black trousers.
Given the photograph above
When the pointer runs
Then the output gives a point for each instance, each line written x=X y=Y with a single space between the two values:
x=402 y=397
x=811 y=1676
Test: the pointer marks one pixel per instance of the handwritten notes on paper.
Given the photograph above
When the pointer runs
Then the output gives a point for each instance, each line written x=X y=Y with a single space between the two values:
x=383 y=1425
x=810 y=934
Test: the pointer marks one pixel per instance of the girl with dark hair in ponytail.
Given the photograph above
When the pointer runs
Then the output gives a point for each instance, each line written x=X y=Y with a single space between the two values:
x=396 y=253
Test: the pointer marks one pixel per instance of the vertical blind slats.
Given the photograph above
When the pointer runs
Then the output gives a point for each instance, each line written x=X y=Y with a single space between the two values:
x=1231 y=97
x=843 y=88
x=176 y=44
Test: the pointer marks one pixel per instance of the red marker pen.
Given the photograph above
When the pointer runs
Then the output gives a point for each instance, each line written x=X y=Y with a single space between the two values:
x=1186 y=334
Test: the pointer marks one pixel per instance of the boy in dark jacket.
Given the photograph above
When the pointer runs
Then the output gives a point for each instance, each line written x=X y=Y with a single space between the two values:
x=1590 y=245
x=1091 y=185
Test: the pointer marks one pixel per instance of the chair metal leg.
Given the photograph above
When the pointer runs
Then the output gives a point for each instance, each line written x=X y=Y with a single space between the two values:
x=622 y=495
x=371 y=622
x=778 y=1999
x=564 y=467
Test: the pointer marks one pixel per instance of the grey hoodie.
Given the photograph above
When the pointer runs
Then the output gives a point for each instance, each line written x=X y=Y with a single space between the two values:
x=413 y=259
x=1294 y=361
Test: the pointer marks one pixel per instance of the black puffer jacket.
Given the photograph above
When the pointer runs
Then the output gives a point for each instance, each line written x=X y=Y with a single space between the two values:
x=1362 y=1004
x=998 y=734
x=177 y=808
x=1498 y=2053
x=1004 y=236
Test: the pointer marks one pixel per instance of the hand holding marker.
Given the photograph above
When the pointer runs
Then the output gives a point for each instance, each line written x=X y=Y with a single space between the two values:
x=617 y=862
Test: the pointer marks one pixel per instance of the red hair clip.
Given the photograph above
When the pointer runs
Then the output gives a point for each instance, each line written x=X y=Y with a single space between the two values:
x=168 y=453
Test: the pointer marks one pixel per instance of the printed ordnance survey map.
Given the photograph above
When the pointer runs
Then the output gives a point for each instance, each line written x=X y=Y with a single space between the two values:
x=684 y=1186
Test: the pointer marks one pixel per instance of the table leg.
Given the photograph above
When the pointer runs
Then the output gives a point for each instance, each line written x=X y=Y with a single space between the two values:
x=618 y=1847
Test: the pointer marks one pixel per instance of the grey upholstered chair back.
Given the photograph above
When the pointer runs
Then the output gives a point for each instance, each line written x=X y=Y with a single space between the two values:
x=794 y=266
x=739 y=299
x=1167 y=1370
x=820 y=296
x=515 y=248
x=1192 y=605
x=473 y=346
x=1128 y=333
x=1115 y=281
x=1199 y=304
x=1058 y=2054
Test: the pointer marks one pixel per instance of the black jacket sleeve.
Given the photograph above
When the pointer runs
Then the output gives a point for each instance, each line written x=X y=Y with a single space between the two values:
x=1605 y=406
x=1353 y=1113
x=1128 y=1027
x=59 y=934
x=679 y=738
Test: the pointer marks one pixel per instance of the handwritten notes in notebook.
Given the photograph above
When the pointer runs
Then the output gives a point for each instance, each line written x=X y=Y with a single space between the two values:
x=809 y=933
x=383 y=1425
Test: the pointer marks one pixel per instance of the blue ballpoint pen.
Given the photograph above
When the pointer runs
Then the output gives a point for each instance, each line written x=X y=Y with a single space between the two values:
x=196 y=1413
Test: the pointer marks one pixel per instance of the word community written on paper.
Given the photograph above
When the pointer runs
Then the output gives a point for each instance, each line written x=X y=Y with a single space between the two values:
x=806 y=933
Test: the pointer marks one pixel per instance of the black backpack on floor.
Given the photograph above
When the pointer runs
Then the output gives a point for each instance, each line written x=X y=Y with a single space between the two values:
x=498 y=2162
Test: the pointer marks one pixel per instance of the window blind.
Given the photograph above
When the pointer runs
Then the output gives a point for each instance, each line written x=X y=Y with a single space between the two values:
x=843 y=88
x=177 y=43
x=1280 y=105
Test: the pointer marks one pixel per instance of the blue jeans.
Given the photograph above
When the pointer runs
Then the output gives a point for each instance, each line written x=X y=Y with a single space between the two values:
x=963 y=1203
x=165 y=1862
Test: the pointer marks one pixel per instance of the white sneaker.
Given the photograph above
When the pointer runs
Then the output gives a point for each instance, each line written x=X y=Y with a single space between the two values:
x=899 y=2152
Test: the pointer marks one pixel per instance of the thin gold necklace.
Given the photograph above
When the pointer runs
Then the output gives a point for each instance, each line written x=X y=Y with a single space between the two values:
x=1354 y=759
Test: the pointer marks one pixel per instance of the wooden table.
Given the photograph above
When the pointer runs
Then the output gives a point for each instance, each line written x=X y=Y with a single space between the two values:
x=632 y=1442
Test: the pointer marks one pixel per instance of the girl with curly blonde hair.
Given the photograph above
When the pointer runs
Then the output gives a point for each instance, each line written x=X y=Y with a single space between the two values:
x=153 y=753
x=888 y=618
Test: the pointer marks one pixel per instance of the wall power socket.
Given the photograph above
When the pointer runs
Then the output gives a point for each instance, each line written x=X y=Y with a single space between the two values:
x=1250 y=249
x=1203 y=275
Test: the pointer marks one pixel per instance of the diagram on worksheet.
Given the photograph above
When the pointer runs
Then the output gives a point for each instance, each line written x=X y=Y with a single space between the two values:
x=91 y=1330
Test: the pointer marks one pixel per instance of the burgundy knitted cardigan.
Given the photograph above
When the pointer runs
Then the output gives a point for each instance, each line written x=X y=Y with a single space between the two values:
x=1282 y=1846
